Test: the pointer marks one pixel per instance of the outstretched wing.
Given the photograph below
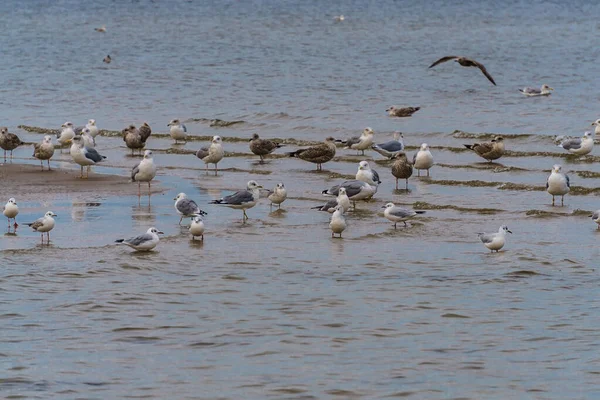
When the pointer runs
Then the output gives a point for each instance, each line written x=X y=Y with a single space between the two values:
x=482 y=68
x=443 y=60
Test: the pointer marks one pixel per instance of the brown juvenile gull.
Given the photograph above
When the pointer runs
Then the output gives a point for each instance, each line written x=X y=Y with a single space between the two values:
x=465 y=62
x=262 y=147
x=212 y=154
x=318 y=154
x=44 y=151
x=107 y=59
x=8 y=141
x=101 y=29
x=401 y=168
x=145 y=131
x=395 y=111
x=133 y=138
x=491 y=150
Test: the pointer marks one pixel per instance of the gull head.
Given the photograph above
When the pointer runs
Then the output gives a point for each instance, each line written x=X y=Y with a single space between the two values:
x=12 y=201
x=388 y=205
x=92 y=122
x=253 y=185
x=280 y=185
x=342 y=191
x=390 y=108
x=148 y=154
x=67 y=125
x=155 y=231
x=596 y=122
x=504 y=229
x=498 y=139
x=424 y=147
x=546 y=87
x=78 y=140
x=180 y=196
x=399 y=155
x=4 y=130
x=197 y=219
x=330 y=139
x=363 y=165
x=50 y=214
x=173 y=122
x=216 y=139
x=86 y=131
x=398 y=135
x=254 y=136
x=47 y=139
x=556 y=168
x=588 y=135
x=368 y=131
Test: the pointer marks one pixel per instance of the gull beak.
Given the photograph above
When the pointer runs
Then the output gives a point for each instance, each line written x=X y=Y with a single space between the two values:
x=593 y=123
x=175 y=198
x=508 y=231
x=383 y=206
x=259 y=186
x=161 y=232
x=550 y=88
x=54 y=215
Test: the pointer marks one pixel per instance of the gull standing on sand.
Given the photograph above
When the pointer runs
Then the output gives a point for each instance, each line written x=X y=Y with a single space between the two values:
x=84 y=156
x=133 y=138
x=341 y=200
x=197 y=228
x=242 y=200
x=44 y=225
x=318 y=154
x=277 y=195
x=187 y=208
x=581 y=146
x=144 y=242
x=558 y=184
x=366 y=174
x=178 y=131
x=11 y=210
x=145 y=171
x=44 y=151
x=491 y=150
x=399 y=214
x=66 y=135
x=423 y=159
x=337 y=224
x=8 y=141
x=494 y=241
x=88 y=139
x=355 y=189
x=532 y=92
x=596 y=218
x=262 y=147
x=401 y=168
x=596 y=123
x=392 y=147
x=360 y=143
x=212 y=154
x=465 y=62
x=395 y=111
x=91 y=125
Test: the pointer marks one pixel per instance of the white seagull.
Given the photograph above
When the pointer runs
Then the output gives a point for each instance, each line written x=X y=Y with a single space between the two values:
x=66 y=134
x=360 y=143
x=277 y=195
x=494 y=241
x=558 y=184
x=337 y=224
x=423 y=159
x=531 y=92
x=355 y=189
x=366 y=174
x=144 y=242
x=390 y=148
x=242 y=200
x=84 y=156
x=44 y=224
x=197 y=228
x=11 y=210
x=399 y=214
x=186 y=207
x=341 y=200
x=212 y=154
x=145 y=171
x=580 y=146
x=178 y=131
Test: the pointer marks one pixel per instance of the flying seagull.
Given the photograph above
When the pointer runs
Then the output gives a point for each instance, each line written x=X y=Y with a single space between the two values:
x=465 y=62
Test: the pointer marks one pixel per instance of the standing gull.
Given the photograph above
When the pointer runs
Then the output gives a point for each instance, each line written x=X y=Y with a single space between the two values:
x=262 y=147
x=596 y=218
x=88 y=139
x=337 y=224
x=318 y=154
x=66 y=134
x=581 y=146
x=399 y=214
x=341 y=200
x=465 y=62
x=10 y=211
x=366 y=174
x=392 y=147
x=395 y=111
x=145 y=131
x=186 y=207
x=423 y=159
x=558 y=184
x=494 y=241
x=144 y=242
x=145 y=171
x=212 y=154
x=91 y=125
x=277 y=195
x=8 y=141
x=355 y=189
x=401 y=168
x=84 y=156
x=178 y=131
x=133 y=138
x=44 y=151
x=596 y=123
x=360 y=143
x=197 y=227
x=242 y=200
x=44 y=225
x=532 y=92
x=491 y=150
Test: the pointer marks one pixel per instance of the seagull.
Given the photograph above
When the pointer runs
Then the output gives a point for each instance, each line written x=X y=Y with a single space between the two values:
x=242 y=200
x=360 y=143
x=101 y=29
x=84 y=156
x=423 y=159
x=88 y=139
x=341 y=199
x=187 y=208
x=338 y=222
x=277 y=195
x=44 y=224
x=262 y=147
x=399 y=214
x=355 y=189
x=338 y=18
x=212 y=154
x=491 y=150
x=91 y=125
x=318 y=154
x=133 y=138
x=177 y=130
x=10 y=211
x=395 y=111
x=401 y=168
x=44 y=151
x=107 y=59
x=531 y=92
x=596 y=217
x=494 y=241
x=465 y=62
x=66 y=135
x=596 y=123
x=197 y=228
x=144 y=242
x=366 y=174
x=558 y=184
x=145 y=131
x=8 y=142
x=392 y=147
x=581 y=146
x=145 y=171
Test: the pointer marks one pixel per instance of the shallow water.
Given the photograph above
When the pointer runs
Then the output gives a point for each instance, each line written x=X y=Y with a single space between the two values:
x=275 y=308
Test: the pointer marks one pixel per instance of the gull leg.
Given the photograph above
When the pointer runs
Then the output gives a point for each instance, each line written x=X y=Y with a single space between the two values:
x=404 y=223
x=418 y=172
x=139 y=190
x=406 y=183
x=15 y=224
x=180 y=219
x=202 y=237
x=562 y=200
x=48 y=164
x=395 y=225
x=396 y=183
x=149 y=191
x=553 y=200
x=81 y=177
x=216 y=168
x=427 y=172
x=332 y=235
x=279 y=206
x=42 y=164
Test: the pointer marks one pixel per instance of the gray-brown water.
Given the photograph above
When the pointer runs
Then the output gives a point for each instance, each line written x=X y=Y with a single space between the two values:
x=275 y=308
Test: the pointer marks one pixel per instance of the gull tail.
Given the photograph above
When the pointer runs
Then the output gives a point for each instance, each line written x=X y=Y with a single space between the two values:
x=119 y=240
x=200 y=213
x=420 y=212
x=468 y=146
x=294 y=153
x=220 y=201
x=279 y=145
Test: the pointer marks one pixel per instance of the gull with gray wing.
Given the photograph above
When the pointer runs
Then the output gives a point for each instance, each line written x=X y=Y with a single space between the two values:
x=392 y=147
x=398 y=214
x=84 y=156
x=242 y=200
x=494 y=241
x=355 y=189
x=143 y=242
x=187 y=208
